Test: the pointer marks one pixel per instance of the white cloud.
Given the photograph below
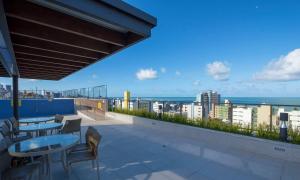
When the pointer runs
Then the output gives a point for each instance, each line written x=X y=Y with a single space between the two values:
x=163 y=70
x=144 y=74
x=32 y=80
x=94 y=76
x=178 y=73
x=196 y=83
x=218 y=70
x=285 y=68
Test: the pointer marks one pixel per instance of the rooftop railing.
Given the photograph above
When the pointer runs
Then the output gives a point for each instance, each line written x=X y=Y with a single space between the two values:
x=96 y=92
x=252 y=119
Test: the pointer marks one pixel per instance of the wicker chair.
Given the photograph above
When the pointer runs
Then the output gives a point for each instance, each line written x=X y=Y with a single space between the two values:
x=14 y=126
x=8 y=124
x=8 y=173
x=58 y=118
x=8 y=133
x=72 y=126
x=83 y=146
x=91 y=154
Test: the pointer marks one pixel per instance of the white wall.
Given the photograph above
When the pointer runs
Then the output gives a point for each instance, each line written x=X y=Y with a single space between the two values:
x=192 y=111
x=294 y=119
x=242 y=116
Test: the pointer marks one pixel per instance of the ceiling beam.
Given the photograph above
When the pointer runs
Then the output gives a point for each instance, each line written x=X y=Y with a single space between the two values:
x=49 y=60
x=24 y=68
x=24 y=62
x=44 y=72
x=30 y=12
x=51 y=57
x=25 y=29
x=41 y=74
x=45 y=69
x=43 y=53
x=40 y=77
x=53 y=47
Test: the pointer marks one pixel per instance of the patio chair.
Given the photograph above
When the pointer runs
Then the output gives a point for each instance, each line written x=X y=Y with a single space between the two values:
x=58 y=118
x=7 y=133
x=8 y=124
x=91 y=154
x=83 y=146
x=15 y=173
x=72 y=126
x=14 y=126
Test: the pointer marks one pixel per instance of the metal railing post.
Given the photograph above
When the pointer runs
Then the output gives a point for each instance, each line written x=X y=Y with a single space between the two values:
x=93 y=89
x=271 y=123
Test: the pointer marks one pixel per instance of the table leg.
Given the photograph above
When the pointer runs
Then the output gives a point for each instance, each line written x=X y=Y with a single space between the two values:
x=49 y=166
x=64 y=160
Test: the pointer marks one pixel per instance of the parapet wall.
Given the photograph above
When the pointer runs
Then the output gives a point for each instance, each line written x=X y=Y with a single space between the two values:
x=37 y=107
x=275 y=149
x=93 y=108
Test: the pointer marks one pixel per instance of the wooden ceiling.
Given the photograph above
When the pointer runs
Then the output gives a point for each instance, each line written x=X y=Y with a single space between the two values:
x=52 y=45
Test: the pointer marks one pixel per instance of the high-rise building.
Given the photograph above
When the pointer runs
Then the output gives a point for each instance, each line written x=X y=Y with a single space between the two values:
x=208 y=100
x=157 y=107
x=224 y=111
x=205 y=104
x=192 y=111
x=117 y=103
x=187 y=110
x=198 y=98
x=8 y=88
x=126 y=100
x=294 y=119
x=145 y=105
x=198 y=111
x=242 y=115
x=263 y=115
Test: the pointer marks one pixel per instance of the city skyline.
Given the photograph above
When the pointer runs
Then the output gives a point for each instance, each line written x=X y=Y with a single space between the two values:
x=238 y=49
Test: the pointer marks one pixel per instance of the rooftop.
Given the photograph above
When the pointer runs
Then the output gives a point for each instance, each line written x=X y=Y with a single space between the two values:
x=132 y=151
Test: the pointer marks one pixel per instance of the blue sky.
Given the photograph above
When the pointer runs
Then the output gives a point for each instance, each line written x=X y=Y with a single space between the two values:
x=239 y=48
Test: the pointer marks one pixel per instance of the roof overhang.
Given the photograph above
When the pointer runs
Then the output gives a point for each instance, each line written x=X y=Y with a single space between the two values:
x=52 y=39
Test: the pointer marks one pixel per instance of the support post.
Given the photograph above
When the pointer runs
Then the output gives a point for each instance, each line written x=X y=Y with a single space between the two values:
x=15 y=96
x=271 y=120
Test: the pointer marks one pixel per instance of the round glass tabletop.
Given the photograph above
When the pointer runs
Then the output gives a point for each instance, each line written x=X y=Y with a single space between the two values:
x=38 y=127
x=43 y=145
x=36 y=119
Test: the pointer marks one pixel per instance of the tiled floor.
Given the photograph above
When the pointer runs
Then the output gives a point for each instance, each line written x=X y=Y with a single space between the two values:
x=135 y=152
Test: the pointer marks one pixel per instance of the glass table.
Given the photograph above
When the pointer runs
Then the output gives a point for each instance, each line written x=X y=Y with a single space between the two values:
x=36 y=119
x=39 y=127
x=44 y=146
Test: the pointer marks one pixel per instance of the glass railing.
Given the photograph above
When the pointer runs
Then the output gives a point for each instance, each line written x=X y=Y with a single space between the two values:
x=251 y=116
x=96 y=92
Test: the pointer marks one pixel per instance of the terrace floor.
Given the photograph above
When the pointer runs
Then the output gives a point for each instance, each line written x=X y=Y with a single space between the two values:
x=134 y=152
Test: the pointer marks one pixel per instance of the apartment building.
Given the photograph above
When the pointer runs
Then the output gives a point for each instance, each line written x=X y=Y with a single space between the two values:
x=192 y=111
x=264 y=113
x=242 y=115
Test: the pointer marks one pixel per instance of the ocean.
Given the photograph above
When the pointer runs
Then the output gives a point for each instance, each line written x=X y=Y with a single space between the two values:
x=238 y=100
